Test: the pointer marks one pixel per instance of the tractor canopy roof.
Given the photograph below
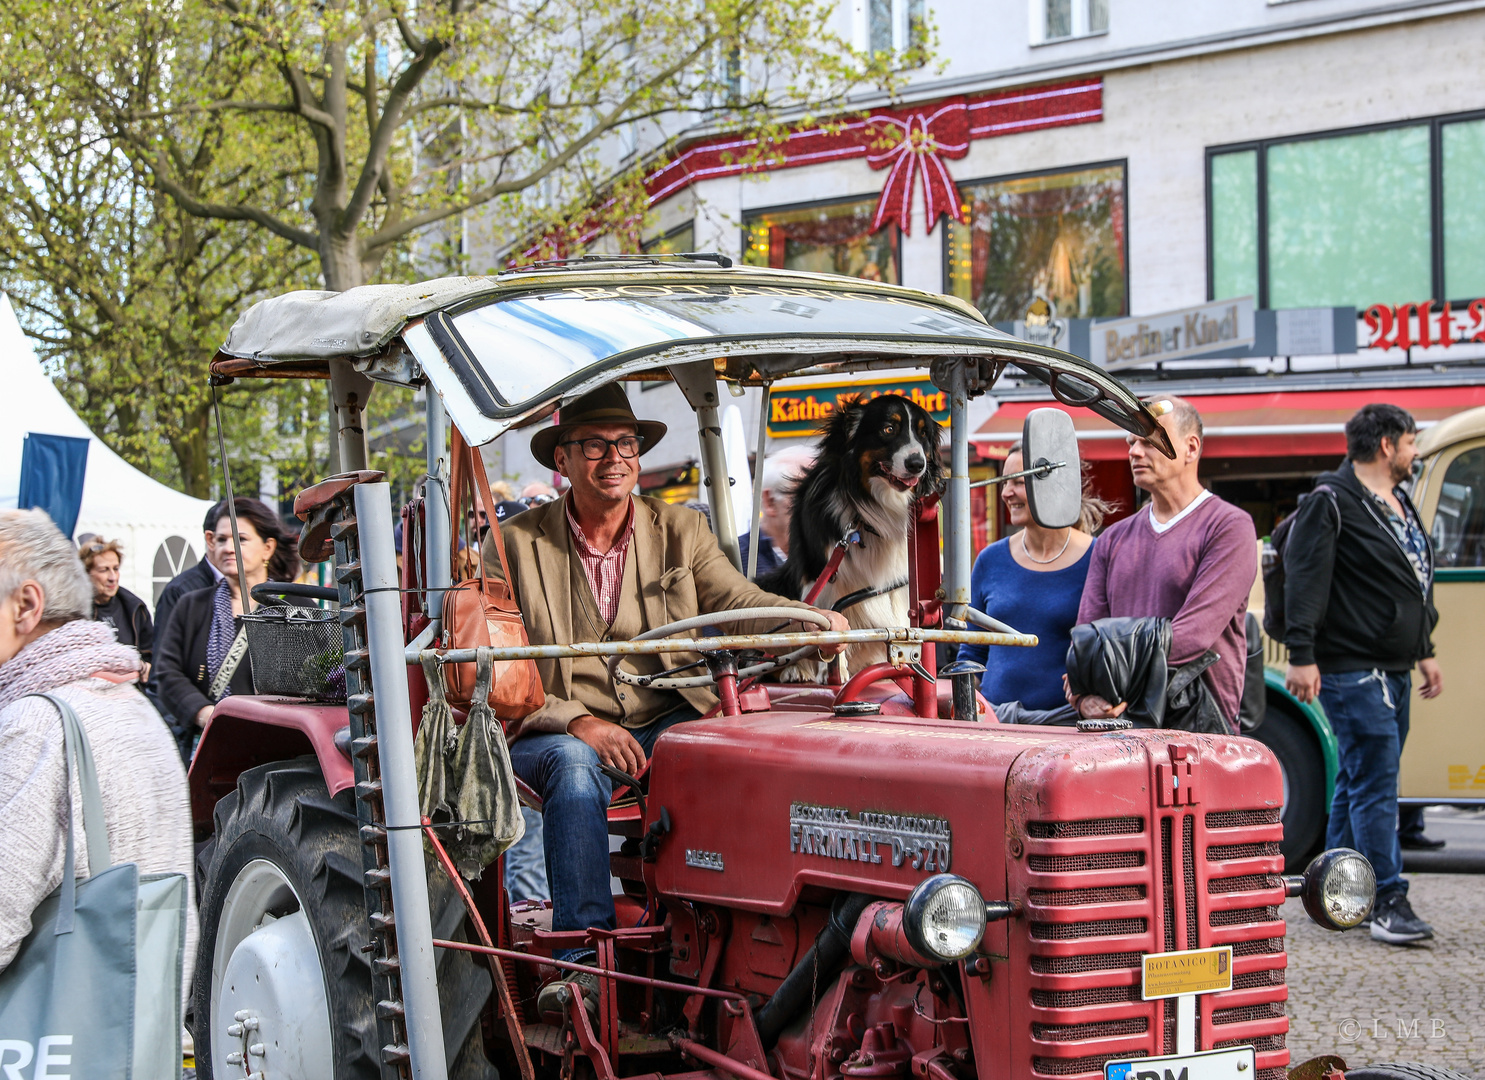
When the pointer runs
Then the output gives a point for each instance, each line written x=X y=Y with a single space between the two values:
x=507 y=349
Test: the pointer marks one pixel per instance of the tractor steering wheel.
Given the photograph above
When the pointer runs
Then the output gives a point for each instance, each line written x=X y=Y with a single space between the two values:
x=666 y=680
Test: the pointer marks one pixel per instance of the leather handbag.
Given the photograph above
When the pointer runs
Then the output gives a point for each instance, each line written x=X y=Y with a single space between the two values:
x=480 y=611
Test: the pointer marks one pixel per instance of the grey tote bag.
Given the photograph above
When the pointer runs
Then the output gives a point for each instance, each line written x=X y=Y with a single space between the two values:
x=95 y=992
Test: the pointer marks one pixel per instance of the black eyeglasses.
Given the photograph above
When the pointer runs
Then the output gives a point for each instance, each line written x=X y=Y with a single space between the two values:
x=597 y=449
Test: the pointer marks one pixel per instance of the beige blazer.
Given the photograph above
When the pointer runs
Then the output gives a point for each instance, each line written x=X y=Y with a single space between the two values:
x=677 y=571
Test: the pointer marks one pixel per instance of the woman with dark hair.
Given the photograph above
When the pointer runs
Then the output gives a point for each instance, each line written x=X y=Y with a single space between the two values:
x=202 y=655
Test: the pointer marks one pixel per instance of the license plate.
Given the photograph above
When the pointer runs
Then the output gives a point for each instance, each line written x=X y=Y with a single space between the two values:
x=1234 y=1064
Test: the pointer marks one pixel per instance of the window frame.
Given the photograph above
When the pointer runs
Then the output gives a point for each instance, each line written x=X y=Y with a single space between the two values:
x=1435 y=126
x=1027 y=174
x=812 y=204
x=901 y=20
x=1037 y=14
x=1428 y=508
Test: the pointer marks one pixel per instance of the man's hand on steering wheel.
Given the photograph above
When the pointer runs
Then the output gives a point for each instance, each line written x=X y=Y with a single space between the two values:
x=613 y=744
x=838 y=624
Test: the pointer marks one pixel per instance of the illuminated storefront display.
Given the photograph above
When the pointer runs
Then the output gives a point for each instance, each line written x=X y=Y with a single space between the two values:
x=831 y=239
x=1057 y=237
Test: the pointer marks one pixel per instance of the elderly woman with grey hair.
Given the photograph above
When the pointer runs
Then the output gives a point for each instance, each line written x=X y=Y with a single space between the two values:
x=49 y=644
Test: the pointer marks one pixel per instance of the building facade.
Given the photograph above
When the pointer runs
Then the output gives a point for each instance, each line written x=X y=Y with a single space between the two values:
x=1215 y=197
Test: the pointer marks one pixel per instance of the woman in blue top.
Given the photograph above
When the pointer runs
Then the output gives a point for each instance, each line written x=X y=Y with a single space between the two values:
x=1032 y=580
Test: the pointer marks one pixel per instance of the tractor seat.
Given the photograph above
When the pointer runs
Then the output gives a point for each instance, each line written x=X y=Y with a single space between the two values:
x=310 y=506
x=317 y=495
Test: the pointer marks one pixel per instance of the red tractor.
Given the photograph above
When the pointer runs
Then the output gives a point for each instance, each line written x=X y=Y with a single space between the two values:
x=868 y=880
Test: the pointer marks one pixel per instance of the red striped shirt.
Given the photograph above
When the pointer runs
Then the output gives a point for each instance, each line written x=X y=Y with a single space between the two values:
x=603 y=569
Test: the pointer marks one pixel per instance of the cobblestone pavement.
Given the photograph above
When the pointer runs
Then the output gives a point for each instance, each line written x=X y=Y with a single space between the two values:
x=1370 y=1002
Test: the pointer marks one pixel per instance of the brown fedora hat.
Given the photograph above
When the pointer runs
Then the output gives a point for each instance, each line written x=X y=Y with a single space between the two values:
x=606 y=405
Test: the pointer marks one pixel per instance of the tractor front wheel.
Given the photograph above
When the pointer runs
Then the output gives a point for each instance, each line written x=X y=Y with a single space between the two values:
x=283 y=986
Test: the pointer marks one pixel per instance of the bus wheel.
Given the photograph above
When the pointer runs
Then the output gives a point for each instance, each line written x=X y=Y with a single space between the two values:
x=1305 y=811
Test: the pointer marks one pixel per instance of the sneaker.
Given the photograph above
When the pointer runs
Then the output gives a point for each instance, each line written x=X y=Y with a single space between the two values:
x=552 y=999
x=1393 y=921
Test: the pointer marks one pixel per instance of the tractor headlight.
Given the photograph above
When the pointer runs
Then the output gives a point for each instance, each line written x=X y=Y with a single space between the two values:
x=945 y=917
x=1338 y=888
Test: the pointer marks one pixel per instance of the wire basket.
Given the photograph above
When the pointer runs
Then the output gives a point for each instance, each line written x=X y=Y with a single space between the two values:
x=297 y=652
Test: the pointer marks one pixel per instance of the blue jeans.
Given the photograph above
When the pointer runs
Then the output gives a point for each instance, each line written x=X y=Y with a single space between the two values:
x=1368 y=711
x=526 y=864
x=563 y=770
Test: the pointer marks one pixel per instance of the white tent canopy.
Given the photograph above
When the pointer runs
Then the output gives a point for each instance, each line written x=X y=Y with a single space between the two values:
x=159 y=527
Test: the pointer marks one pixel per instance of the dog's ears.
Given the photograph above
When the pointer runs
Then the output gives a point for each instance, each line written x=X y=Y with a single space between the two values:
x=841 y=428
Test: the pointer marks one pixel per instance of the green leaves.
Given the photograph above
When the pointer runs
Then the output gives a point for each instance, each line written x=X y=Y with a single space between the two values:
x=168 y=162
x=327 y=122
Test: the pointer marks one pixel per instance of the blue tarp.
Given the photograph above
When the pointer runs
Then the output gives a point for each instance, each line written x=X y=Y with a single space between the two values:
x=52 y=470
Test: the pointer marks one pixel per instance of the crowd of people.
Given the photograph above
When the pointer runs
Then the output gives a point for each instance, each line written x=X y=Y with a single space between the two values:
x=1357 y=606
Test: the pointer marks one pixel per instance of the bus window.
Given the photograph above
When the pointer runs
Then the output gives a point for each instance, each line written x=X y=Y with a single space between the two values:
x=1459 y=522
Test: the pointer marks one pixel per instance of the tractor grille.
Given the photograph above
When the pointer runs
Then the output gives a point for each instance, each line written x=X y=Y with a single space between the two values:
x=1242 y=883
x=1184 y=878
x=1076 y=965
x=1076 y=999
x=1111 y=894
x=1244 y=892
x=1093 y=928
x=1094 y=860
x=1056 y=830
x=1092 y=914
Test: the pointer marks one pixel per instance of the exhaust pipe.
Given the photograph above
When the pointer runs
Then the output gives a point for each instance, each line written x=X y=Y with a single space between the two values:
x=824 y=958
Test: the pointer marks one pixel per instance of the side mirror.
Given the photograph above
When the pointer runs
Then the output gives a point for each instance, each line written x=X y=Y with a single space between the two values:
x=1054 y=491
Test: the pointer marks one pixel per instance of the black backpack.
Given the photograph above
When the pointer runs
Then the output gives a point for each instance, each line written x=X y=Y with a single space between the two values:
x=1273 y=565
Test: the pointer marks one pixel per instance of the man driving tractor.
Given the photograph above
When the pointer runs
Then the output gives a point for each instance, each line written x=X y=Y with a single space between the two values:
x=575 y=580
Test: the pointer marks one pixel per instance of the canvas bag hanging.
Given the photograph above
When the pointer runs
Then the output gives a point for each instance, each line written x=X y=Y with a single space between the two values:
x=480 y=612
x=95 y=991
x=465 y=774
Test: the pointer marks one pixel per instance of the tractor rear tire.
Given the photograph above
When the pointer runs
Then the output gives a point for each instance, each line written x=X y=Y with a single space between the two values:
x=1406 y=1070
x=285 y=859
x=1305 y=809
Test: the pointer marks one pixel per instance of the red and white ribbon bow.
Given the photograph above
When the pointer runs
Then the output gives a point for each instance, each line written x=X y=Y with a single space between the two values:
x=918 y=154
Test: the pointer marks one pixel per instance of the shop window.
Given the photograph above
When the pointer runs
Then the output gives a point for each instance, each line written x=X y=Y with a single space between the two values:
x=1383 y=216
x=1463 y=151
x=675 y=242
x=1058 y=20
x=833 y=239
x=1057 y=237
x=1459 y=521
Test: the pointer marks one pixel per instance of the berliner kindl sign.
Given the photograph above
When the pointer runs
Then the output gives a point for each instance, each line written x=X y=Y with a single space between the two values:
x=1174 y=335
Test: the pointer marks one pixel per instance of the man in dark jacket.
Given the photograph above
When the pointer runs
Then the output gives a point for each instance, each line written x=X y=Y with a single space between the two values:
x=196 y=577
x=1358 y=607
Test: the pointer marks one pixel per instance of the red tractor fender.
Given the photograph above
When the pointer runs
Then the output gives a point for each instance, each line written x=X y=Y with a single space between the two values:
x=247 y=731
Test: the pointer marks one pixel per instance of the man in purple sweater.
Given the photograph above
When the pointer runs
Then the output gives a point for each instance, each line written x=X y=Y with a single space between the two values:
x=1187 y=556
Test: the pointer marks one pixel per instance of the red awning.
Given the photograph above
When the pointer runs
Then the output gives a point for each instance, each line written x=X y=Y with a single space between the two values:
x=1281 y=423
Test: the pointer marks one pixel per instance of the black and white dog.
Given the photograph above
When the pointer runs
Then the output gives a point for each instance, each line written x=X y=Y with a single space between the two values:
x=874 y=457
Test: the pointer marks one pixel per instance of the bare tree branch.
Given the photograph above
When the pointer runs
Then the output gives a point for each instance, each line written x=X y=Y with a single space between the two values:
x=385 y=130
x=616 y=116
